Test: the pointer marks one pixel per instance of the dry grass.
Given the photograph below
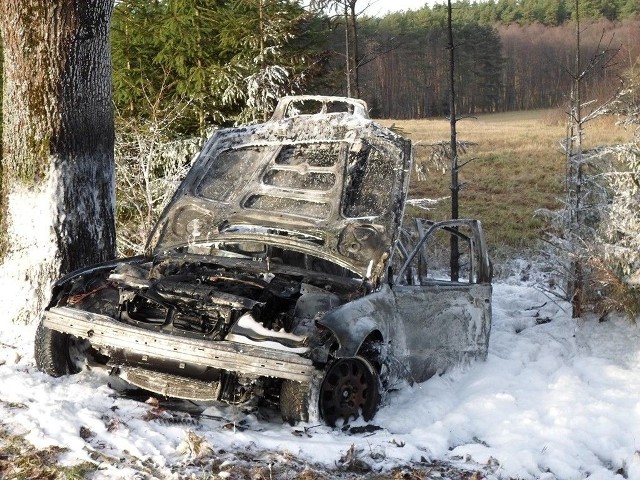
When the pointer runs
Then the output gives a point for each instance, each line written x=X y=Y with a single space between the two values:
x=21 y=461
x=518 y=168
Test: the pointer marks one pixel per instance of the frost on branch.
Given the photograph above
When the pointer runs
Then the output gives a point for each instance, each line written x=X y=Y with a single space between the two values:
x=617 y=247
x=150 y=164
x=618 y=242
x=265 y=87
x=573 y=227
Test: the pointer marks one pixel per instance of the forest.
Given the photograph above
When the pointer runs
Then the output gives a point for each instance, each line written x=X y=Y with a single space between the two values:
x=202 y=63
x=181 y=68
x=501 y=67
x=227 y=62
x=224 y=62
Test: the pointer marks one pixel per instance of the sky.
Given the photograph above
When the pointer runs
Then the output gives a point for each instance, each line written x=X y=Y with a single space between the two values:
x=382 y=7
x=386 y=6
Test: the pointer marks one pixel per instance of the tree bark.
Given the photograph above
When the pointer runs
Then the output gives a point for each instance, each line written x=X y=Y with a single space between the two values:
x=575 y=168
x=454 y=258
x=355 y=61
x=58 y=139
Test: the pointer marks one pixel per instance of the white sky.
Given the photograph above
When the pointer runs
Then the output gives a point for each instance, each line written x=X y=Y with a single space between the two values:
x=382 y=7
x=385 y=6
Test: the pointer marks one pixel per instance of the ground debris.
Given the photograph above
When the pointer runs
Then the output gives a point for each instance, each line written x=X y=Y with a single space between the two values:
x=363 y=429
x=351 y=461
x=19 y=459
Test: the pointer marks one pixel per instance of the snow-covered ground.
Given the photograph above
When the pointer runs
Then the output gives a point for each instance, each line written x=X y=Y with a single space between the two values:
x=556 y=398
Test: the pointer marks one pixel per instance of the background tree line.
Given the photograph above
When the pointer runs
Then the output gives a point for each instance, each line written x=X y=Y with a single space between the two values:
x=500 y=67
x=545 y=12
x=228 y=61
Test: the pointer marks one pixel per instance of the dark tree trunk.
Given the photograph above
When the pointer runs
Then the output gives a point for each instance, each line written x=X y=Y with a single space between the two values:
x=355 y=61
x=575 y=169
x=454 y=260
x=58 y=135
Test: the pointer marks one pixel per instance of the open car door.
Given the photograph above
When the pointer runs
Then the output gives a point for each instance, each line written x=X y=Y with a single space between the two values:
x=445 y=322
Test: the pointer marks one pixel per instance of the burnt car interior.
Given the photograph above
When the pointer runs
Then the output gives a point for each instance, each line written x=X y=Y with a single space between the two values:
x=205 y=297
x=423 y=253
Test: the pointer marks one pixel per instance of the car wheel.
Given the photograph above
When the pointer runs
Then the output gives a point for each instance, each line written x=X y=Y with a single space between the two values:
x=294 y=401
x=350 y=388
x=57 y=353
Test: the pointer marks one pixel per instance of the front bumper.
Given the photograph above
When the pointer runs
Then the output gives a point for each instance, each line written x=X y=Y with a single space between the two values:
x=104 y=331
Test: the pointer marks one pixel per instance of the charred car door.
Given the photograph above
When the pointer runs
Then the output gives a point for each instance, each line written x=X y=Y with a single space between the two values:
x=443 y=321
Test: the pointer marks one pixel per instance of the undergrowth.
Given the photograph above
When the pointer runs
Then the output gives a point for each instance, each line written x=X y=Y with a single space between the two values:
x=20 y=460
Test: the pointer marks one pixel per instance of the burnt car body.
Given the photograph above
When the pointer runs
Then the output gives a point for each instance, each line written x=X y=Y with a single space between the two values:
x=281 y=268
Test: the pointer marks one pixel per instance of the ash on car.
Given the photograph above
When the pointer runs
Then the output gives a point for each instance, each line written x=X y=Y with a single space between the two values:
x=282 y=269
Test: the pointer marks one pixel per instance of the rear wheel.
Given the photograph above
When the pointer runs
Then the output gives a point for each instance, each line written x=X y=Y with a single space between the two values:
x=58 y=353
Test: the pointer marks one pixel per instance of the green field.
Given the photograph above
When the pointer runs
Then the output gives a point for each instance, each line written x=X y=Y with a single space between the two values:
x=517 y=168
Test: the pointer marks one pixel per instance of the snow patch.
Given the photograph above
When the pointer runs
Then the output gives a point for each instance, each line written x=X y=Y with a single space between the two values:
x=31 y=257
x=555 y=400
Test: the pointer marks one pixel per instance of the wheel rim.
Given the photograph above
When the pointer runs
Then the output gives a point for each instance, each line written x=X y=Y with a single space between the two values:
x=350 y=388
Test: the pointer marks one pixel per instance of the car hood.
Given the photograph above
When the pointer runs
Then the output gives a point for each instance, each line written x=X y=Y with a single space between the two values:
x=328 y=185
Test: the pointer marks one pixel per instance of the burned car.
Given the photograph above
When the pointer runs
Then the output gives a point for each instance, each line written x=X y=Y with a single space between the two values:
x=281 y=269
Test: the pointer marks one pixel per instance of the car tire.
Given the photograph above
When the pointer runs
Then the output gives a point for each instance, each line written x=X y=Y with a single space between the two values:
x=56 y=353
x=351 y=387
x=294 y=401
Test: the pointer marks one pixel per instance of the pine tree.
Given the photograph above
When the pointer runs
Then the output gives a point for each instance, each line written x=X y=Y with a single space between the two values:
x=265 y=62
x=555 y=13
x=134 y=39
x=224 y=61
x=190 y=54
x=616 y=249
x=629 y=8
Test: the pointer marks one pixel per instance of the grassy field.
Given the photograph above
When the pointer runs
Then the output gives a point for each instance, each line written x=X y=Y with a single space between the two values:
x=518 y=167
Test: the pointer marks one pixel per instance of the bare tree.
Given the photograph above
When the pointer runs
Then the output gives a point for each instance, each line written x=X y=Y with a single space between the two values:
x=348 y=10
x=151 y=161
x=577 y=162
x=57 y=141
x=454 y=261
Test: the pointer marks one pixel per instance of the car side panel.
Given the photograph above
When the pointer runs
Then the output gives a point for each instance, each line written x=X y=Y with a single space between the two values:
x=353 y=322
x=445 y=324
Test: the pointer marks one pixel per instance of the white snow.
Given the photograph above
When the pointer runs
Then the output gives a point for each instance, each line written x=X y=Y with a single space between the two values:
x=384 y=7
x=247 y=322
x=556 y=400
x=31 y=252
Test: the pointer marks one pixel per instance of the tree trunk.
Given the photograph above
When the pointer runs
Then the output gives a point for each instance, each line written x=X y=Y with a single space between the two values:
x=454 y=259
x=575 y=179
x=57 y=167
x=347 y=50
x=355 y=61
